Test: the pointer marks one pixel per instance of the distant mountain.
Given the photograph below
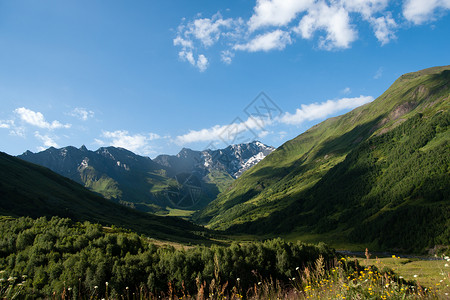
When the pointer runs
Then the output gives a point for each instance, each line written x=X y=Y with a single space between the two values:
x=190 y=179
x=27 y=189
x=378 y=175
x=233 y=160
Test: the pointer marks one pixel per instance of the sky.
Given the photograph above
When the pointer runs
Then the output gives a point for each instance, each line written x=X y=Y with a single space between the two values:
x=156 y=76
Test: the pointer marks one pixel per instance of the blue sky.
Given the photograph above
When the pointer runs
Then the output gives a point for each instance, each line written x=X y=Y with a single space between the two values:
x=156 y=76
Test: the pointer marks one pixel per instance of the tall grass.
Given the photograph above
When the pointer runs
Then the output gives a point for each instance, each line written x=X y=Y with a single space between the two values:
x=338 y=279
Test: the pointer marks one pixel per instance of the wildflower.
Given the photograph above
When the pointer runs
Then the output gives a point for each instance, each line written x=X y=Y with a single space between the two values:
x=259 y=283
x=446 y=265
x=293 y=278
x=69 y=289
x=296 y=269
x=415 y=276
x=126 y=288
x=96 y=287
x=106 y=283
x=238 y=279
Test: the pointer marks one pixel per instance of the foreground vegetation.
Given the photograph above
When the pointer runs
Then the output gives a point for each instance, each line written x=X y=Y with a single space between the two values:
x=58 y=258
x=58 y=254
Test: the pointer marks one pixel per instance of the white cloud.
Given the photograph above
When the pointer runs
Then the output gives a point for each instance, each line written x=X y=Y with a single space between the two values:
x=277 y=39
x=6 y=124
x=138 y=143
x=226 y=56
x=179 y=41
x=346 y=90
x=384 y=28
x=421 y=11
x=201 y=63
x=334 y=20
x=81 y=113
x=276 y=12
x=37 y=119
x=365 y=7
x=221 y=132
x=48 y=141
x=321 y=110
x=331 y=24
x=208 y=31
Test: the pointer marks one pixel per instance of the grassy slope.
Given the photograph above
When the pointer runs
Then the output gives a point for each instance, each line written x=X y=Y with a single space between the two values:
x=30 y=190
x=271 y=192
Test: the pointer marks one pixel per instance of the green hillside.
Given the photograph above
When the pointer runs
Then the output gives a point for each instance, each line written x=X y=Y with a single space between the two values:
x=377 y=175
x=27 y=189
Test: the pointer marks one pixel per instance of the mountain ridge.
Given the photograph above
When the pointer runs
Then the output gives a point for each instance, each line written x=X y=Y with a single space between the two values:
x=281 y=194
x=152 y=185
x=27 y=189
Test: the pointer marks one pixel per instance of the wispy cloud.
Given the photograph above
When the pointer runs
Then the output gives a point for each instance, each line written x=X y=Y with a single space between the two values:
x=82 y=113
x=37 y=119
x=346 y=91
x=277 y=39
x=276 y=24
x=252 y=127
x=227 y=133
x=378 y=73
x=316 y=111
x=46 y=140
x=6 y=124
x=138 y=143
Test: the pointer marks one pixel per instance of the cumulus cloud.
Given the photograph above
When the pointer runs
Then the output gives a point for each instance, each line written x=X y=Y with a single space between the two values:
x=37 y=119
x=322 y=110
x=384 y=28
x=276 y=12
x=334 y=20
x=332 y=24
x=277 y=39
x=421 y=11
x=205 y=32
x=82 y=113
x=138 y=143
x=46 y=140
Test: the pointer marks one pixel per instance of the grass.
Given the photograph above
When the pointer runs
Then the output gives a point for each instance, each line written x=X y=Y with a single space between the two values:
x=344 y=278
x=175 y=212
x=428 y=273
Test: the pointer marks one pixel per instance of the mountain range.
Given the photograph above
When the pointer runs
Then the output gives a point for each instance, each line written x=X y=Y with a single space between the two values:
x=377 y=177
x=188 y=180
x=27 y=189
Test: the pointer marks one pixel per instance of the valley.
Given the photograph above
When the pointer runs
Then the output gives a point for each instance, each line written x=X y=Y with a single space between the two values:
x=228 y=221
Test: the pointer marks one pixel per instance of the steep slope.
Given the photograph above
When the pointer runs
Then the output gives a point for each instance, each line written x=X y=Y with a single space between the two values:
x=115 y=173
x=381 y=166
x=27 y=189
